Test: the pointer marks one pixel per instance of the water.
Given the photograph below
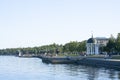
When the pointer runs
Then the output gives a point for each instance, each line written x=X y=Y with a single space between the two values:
x=15 y=68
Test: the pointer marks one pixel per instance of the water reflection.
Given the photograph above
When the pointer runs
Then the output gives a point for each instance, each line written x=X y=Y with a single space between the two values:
x=14 y=68
x=91 y=73
x=118 y=75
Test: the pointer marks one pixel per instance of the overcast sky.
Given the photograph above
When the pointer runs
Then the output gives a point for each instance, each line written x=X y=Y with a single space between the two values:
x=29 y=23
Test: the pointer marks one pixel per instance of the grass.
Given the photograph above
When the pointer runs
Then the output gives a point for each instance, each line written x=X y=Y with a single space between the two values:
x=89 y=56
x=103 y=56
x=65 y=54
x=115 y=57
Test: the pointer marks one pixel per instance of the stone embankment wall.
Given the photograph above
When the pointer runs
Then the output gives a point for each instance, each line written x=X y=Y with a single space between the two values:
x=109 y=63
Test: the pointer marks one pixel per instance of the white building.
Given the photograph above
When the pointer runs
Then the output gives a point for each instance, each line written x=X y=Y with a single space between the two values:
x=93 y=44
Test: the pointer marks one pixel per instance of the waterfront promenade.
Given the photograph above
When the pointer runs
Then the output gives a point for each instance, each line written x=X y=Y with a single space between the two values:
x=99 y=61
x=91 y=60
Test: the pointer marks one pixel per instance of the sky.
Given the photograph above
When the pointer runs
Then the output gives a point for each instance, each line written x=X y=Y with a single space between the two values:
x=30 y=23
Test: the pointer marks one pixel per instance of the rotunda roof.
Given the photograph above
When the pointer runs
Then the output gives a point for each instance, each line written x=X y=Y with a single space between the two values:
x=90 y=40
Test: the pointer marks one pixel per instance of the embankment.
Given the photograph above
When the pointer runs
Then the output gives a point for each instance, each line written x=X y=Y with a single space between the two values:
x=109 y=63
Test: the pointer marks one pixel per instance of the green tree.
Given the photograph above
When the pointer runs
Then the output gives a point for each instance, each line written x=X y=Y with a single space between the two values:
x=118 y=43
x=111 y=45
x=82 y=46
x=71 y=46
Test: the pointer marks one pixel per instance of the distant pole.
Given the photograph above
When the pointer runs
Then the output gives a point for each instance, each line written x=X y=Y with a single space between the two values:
x=92 y=33
x=20 y=53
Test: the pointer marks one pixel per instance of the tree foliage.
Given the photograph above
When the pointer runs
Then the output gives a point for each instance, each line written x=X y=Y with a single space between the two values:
x=111 y=44
x=75 y=47
x=72 y=47
x=118 y=43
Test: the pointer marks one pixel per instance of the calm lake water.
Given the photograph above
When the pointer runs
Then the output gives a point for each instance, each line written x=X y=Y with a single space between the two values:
x=15 y=68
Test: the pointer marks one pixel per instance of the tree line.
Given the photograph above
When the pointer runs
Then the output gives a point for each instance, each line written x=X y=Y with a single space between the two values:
x=71 y=47
x=113 y=46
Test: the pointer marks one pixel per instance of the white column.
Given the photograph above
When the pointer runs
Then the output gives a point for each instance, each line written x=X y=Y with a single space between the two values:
x=88 y=49
x=91 y=48
x=97 y=49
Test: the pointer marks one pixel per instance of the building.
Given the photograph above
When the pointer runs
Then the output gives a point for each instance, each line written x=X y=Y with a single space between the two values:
x=93 y=44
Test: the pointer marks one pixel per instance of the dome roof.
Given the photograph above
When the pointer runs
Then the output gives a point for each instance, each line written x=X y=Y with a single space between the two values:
x=90 y=40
